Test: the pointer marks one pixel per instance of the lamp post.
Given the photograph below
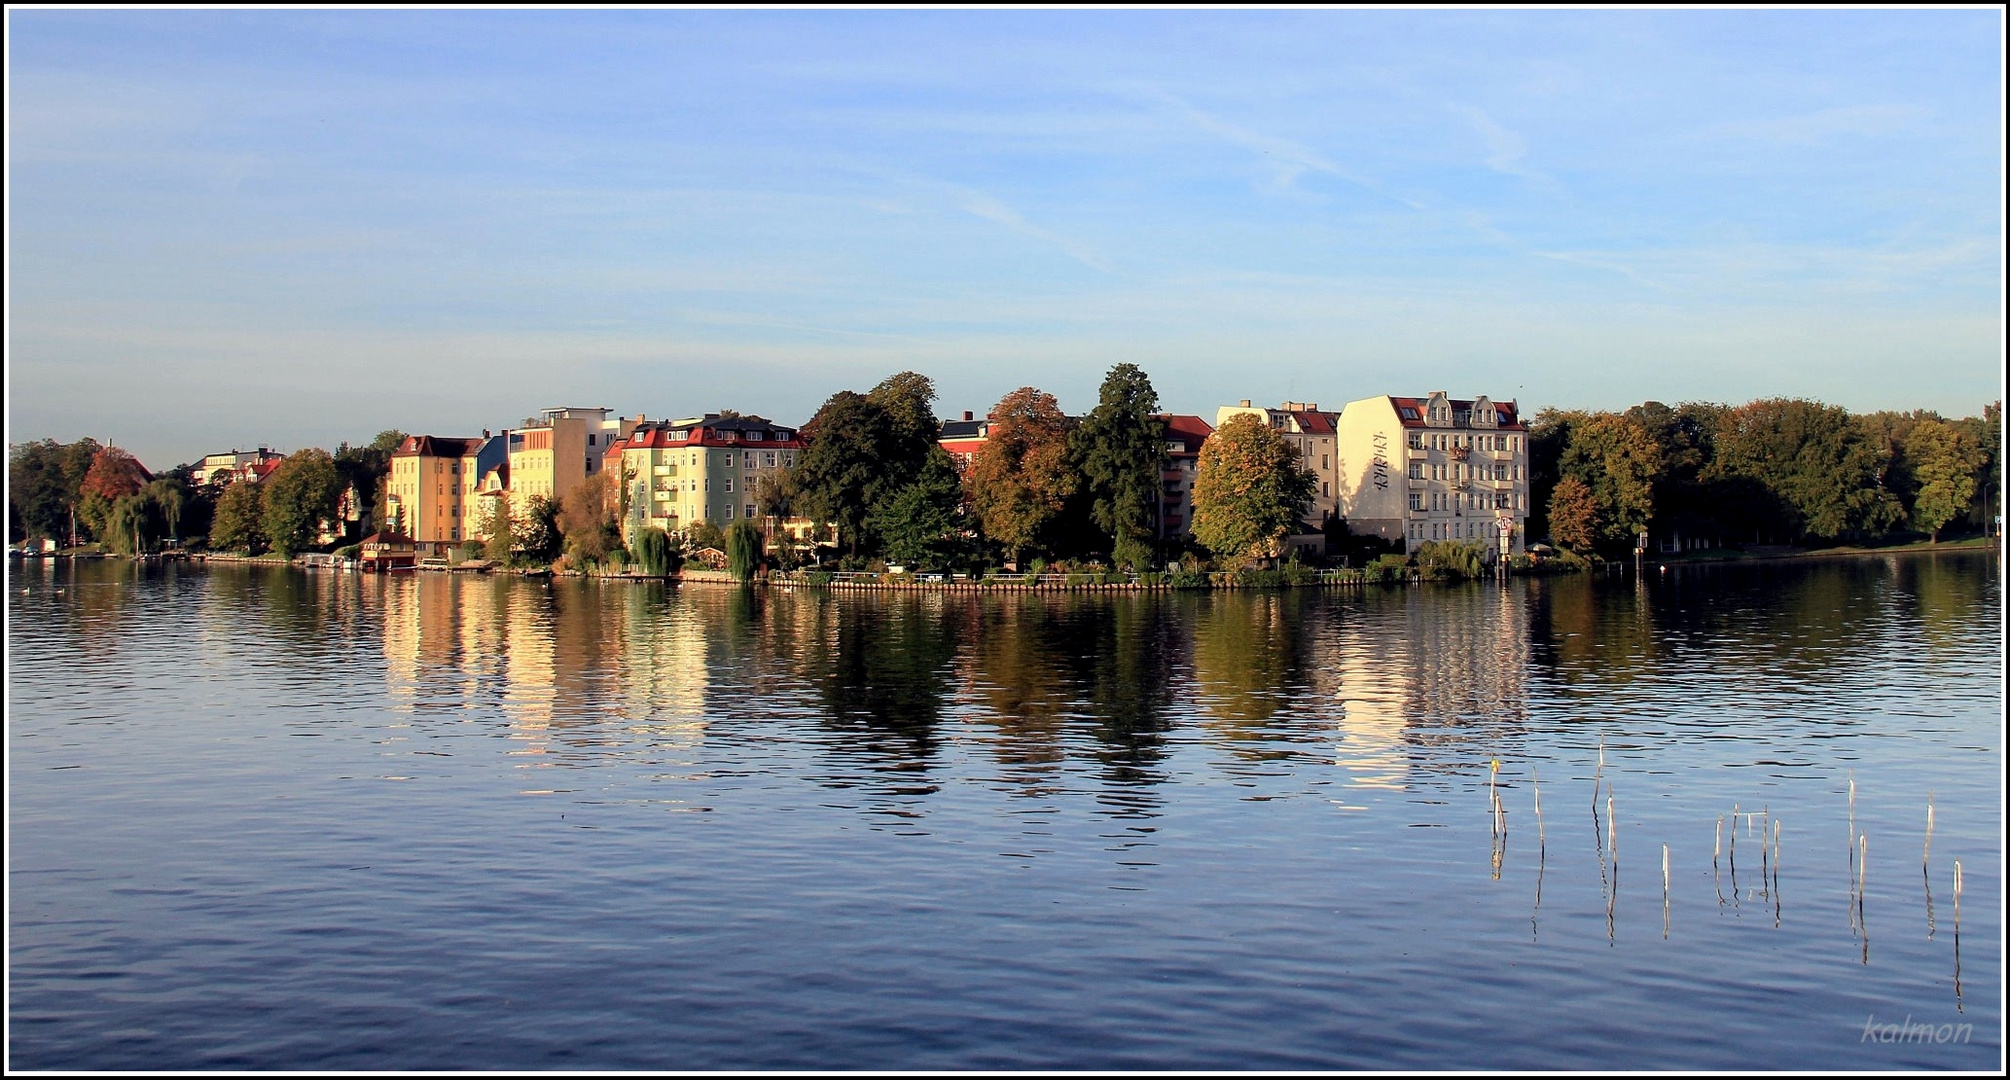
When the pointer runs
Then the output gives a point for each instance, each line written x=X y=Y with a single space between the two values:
x=1639 y=552
x=1507 y=543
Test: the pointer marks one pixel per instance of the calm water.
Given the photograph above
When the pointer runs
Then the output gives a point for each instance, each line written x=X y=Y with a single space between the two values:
x=268 y=819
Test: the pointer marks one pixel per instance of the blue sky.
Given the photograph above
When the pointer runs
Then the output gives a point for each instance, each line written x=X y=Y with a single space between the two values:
x=297 y=227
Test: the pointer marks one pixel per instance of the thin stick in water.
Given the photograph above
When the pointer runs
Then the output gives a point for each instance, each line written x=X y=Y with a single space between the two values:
x=1926 y=856
x=1535 y=782
x=1664 y=892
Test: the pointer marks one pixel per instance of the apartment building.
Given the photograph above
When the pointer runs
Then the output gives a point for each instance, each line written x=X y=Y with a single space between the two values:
x=1184 y=437
x=234 y=465
x=1310 y=434
x=430 y=492
x=556 y=450
x=704 y=468
x=1413 y=469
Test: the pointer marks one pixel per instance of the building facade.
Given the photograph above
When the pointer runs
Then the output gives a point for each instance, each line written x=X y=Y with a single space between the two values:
x=962 y=439
x=705 y=468
x=430 y=492
x=1416 y=469
x=1184 y=437
x=232 y=466
x=558 y=449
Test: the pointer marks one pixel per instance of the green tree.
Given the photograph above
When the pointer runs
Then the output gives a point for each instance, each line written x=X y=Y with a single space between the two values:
x=702 y=534
x=1573 y=515
x=842 y=474
x=1120 y=451
x=239 y=524
x=743 y=550
x=656 y=551
x=1249 y=492
x=44 y=485
x=542 y=539
x=168 y=496
x=500 y=525
x=1621 y=464
x=1022 y=475
x=362 y=470
x=1824 y=471
x=301 y=495
x=1944 y=463
x=919 y=526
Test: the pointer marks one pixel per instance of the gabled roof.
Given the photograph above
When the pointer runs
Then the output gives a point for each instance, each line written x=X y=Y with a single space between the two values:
x=711 y=430
x=1410 y=410
x=437 y=446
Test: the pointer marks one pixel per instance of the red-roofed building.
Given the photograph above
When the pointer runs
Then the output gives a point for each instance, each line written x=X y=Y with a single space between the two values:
x=1415 y=469
x=962 y=439
x=704 y=468
x=430 y=492
x=1184 y=438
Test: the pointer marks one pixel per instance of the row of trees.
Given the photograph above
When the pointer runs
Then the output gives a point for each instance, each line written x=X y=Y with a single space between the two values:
x=82 y=492
x=1043 y=484
x=1776 y=470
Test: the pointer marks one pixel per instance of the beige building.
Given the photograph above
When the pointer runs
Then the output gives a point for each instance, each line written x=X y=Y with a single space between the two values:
x=1414 y=469
x=430 y=492
x=555 y=451
x=1309 y=433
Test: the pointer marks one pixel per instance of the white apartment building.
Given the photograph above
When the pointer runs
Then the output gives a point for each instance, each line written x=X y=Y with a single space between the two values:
x=1414 y=469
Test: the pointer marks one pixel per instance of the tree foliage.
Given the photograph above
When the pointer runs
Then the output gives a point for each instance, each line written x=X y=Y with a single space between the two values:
x=44 y=485
x=1826 y=474
x=1617 y=459
x=919 y=526
x=587 y=519
x=541 y=539
x=1250 y=491
x=863 y=450
x=362 y=469
x=657 y=553
x=1944 y=463
x=1573 y=515
x=1120 y=451
x=743 y=550
x=1023 y=474
x=500 y=526
x=239 y=523
x=301 y=495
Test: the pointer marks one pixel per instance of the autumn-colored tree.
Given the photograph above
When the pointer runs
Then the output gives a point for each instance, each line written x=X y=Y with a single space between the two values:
x=1573 y=515
x=1022 y=475
x=1249 y=492
x=1619 y=461
x=114 y=475
x=239 y=524
x=301 y=495
x=587 y=518
x=1944 y=464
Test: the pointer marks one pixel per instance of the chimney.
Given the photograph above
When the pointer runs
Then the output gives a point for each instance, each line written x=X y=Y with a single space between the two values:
x=485 y=433
x=968 y=415
x=1245 y=403
x=1311 y=406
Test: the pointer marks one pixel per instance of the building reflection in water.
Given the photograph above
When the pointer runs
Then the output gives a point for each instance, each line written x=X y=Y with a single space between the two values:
x=1047 y=688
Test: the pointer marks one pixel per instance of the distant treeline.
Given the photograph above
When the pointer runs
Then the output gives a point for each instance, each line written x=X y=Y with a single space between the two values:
x=1774 y=471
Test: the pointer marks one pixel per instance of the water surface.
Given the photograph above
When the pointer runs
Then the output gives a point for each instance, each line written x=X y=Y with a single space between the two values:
x=263 y=818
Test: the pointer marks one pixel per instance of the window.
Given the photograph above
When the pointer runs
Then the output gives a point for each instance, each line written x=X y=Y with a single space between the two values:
x=789 y=459
x=729 y=483
x=768 y=459
x=1323 y=488
x=1417 y=501
x=729 y=511
x=589 y=464
x=749 y=508
x=589 y=438
x=1416 y=470
x=755 y=436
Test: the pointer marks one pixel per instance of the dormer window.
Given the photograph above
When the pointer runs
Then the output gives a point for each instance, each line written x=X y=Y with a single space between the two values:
x=753 y=436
